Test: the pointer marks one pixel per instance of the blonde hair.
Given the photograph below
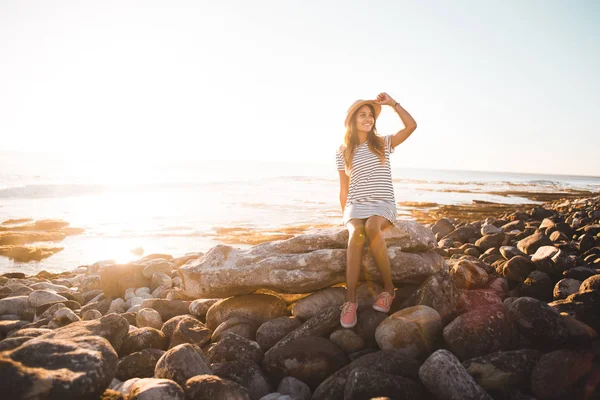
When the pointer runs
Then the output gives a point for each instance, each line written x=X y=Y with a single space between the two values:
x=374 y=142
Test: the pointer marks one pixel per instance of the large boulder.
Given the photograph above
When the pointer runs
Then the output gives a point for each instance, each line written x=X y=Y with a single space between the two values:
x=394 y=362
x=75 y=368
x=310 y=359
x=225 y=271
x=445 y=377
x=116 y=278
x=254 y=307
x=181 y=363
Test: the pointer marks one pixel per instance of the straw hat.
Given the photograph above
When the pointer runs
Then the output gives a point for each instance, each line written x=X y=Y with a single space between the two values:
x=358 y=104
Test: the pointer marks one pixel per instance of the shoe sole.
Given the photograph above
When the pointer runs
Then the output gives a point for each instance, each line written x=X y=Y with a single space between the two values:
x=376 y=308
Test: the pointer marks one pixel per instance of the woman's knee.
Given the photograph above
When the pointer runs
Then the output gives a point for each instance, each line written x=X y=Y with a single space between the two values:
x=372 y=227
x=357 y=234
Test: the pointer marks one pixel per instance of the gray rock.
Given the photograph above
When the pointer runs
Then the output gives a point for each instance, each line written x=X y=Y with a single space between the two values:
x=555 y=372
x=112 y=327
x=233 y=347
x=181 y=363
x=347 y=340
x=250 y=270
x=254 y=307
x=504 y=370
x=537 y=285
x=167 y=308
x=531 y=243
x=40 y=297
x=148 y=317
x=445 y=377
x=188 y=330
x=80 y=368
x=473 y=299
x=417 y=330
x=467 y=275
x=247 y=373
x=239 y=325
x=271 y=332
x=538 y=322
x=310 y=359
x=143 y=338
x=439 y=293
x=14 y=305
x=364 y=383
x=211 y=387
x=199 y=307
x=566 y=287
x=479 y=332
x=294 y=387
x=156 y=389
x=509 y=252
x=517 y=268
x=388 y=361
x=140 y=364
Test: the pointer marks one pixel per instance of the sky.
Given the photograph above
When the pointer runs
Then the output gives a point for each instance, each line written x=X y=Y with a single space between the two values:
x=493 y=85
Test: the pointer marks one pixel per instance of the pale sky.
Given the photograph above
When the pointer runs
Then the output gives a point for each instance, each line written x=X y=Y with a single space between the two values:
x=493 y=85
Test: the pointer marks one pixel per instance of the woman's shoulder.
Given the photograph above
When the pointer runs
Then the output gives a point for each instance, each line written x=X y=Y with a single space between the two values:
x=341 y=149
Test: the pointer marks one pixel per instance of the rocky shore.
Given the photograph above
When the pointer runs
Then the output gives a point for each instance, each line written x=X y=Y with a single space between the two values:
x=504 y=307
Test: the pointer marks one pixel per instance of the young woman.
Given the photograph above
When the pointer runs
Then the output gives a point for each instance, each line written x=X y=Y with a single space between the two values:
x=367 y=195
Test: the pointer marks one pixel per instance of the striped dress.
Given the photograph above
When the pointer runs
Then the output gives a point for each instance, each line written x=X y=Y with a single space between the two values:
x=371 y=191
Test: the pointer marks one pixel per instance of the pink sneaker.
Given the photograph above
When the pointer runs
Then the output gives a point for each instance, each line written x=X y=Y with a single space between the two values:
x=383 y=302
x=348 y=316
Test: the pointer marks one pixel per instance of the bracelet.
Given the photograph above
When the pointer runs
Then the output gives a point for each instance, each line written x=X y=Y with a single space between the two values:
x=396 y=104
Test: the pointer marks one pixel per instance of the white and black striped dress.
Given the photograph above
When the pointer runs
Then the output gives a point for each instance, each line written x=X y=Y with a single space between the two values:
x=371 y=191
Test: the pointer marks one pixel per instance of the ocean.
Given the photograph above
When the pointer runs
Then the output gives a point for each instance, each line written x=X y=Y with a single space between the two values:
x=190 y=206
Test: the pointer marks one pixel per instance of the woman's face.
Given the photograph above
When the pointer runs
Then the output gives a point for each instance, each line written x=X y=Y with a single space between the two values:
x=364 y=119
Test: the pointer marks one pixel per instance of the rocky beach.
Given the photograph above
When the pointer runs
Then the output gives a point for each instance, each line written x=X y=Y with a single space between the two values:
x=493 y=302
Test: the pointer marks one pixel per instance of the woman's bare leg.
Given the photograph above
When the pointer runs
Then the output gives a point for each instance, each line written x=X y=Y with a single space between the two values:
x=356 y=243
x=373 y=227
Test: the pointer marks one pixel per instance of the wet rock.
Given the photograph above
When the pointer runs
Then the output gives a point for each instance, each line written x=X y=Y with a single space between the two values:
x=233 y=347
x=211 y=387
x=156 y=389
x=271 y=332
x=415 y=329
x=247 y=373
x=310 y=359
x=143 y=338
x=254 y=307
x=505 y=370
x=444 y=376
x=181 y=363
x=479 y=332
x=79 y=368
x=140 y=364
x=538 y=322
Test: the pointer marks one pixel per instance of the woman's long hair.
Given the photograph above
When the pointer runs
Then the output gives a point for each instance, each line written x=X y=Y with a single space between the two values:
x=374 y=142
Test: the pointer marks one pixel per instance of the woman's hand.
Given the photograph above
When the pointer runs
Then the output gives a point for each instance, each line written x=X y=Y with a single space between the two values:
x=385 y=99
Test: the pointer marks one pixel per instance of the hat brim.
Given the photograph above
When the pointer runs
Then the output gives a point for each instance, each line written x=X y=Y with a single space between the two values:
x=358 y=104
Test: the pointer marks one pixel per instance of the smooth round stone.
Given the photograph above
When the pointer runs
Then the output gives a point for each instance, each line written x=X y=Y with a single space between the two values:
x=40 y=297
x=148 y=317
x=566 y=287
